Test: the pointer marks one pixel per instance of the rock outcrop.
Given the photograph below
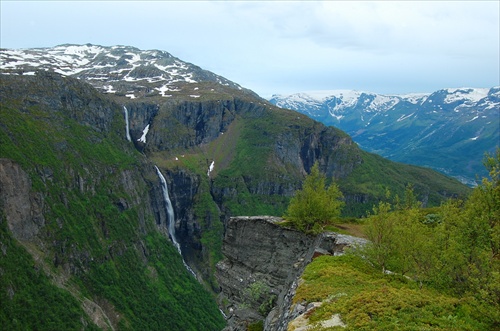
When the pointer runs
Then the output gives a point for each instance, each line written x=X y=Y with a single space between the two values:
x=262 y=265
x=185 y=124
x=22 y=207
x=55 y=93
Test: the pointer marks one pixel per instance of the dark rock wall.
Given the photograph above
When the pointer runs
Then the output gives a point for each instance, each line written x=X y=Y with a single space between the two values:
x=21 y=207
x=183 y=188
x=262 y=265
x=140 y=114
x=53 y=92
x=186 y=124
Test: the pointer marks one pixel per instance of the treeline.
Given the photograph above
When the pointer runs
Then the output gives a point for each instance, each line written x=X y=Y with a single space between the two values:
x=454 y=247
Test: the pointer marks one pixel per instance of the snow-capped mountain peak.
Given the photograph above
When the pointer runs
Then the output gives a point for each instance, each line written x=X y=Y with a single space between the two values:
x=428 y=129
x=470 y=95
x=343 y=100
x=123 y=70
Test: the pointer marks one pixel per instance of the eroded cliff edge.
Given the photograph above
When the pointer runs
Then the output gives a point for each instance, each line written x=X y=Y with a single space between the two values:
x=262 y=265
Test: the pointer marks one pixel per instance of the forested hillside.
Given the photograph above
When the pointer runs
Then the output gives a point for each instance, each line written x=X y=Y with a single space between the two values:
x=83 y=224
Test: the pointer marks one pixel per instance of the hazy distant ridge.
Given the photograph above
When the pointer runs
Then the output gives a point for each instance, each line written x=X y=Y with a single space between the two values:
x=448 y=130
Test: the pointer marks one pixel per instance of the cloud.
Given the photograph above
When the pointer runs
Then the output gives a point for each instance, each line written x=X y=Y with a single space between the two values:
x=286 y=46
x=396 y=44
x=388 y=26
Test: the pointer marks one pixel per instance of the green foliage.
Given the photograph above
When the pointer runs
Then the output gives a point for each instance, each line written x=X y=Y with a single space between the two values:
x=455 y=248
x=469 y=239
x=255 y=290
x=28 y=298
x=315 y=205
x=369 y=300
x=108 y=250
x=259 y=296
x=375 y=175
x=257 y=326
x=380 y=232
x=208 y=216
x=162 y=296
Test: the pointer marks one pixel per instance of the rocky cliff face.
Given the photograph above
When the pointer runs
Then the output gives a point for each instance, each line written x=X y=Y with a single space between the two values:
x=211 y=129
x=263 y=262
x=86 y=205
x=184 y=124
x=260 y=152
x=22 y=207
x=54 y=93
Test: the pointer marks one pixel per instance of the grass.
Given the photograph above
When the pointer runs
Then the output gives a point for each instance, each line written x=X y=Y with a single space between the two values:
x=366 y=299
x=352 y=229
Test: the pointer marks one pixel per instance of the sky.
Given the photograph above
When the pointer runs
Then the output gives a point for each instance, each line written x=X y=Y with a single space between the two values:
x=284 y=47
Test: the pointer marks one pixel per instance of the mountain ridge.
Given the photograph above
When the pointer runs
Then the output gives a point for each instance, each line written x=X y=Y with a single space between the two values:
x=147 y=72
x=427 y=129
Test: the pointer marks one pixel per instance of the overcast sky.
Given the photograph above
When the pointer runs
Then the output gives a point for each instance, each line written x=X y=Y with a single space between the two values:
x=286 y=46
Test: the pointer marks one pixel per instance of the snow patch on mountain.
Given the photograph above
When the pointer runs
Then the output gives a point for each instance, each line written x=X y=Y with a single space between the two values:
x=108 y=68
x=383 y=102
x=428 y=129
x=142 y=139
x=414 y=98
x=470 y=95
x=403 y=117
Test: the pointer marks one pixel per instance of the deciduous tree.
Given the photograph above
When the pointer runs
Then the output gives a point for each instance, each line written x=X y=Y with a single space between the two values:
x=315 y=205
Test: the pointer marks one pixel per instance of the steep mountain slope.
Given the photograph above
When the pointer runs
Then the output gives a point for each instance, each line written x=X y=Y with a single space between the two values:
x=448 y=130
x=223 y=152
x=88 y=209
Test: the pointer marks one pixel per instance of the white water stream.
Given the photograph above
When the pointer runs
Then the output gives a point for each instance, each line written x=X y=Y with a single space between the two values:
x=171 y=224
x=125 y=111
x=171 y=218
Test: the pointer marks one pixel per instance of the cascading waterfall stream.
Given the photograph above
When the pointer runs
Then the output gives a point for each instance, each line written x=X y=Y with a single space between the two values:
x=171 y=218
x=125 y=111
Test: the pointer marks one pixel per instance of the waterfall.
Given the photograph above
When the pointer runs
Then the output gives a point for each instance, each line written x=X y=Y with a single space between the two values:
x=126 y=124
x=211 y=168
x=170 y=210
x=171 y=218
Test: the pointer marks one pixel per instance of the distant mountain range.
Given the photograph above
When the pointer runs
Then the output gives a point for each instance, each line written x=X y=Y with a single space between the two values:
x=448 y=130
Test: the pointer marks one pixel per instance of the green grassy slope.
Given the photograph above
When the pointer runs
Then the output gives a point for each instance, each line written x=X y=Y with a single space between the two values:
x=366 y=299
